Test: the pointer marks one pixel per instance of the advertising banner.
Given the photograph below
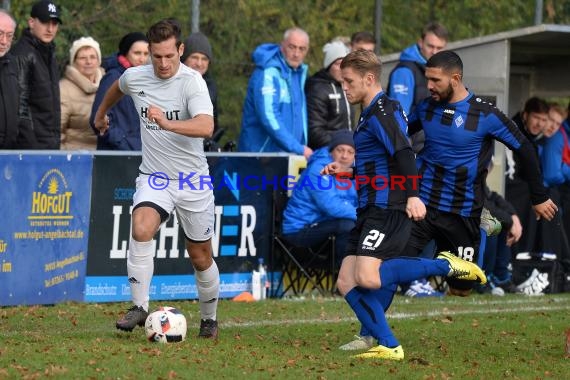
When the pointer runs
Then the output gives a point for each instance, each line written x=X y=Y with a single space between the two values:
x=243 y=189
x=43 y=238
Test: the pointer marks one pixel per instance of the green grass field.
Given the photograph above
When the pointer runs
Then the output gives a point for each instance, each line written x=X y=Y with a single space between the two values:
x=478 y=337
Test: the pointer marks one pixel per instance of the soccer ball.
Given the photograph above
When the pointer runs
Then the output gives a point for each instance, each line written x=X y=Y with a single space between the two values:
x=165 y=325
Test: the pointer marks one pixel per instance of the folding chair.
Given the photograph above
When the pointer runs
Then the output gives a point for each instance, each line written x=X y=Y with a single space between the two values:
x=304 y=268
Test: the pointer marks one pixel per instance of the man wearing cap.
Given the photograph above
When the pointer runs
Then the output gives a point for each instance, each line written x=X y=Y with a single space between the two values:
x=198 y=55
x=327 y=108
x=321 y=206
x=40 y=75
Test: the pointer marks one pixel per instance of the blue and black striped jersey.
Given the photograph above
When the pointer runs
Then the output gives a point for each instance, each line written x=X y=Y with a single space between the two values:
x=380 y=134
x=458 y=147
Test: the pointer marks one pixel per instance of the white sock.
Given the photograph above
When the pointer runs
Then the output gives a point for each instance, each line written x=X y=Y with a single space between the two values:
x=140 y=267
x=208 y=283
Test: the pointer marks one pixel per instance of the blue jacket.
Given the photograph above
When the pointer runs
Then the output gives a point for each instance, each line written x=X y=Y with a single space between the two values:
x=124 y=131
x=554 y=170
x=275 y=111
x=316 y=198
x=407 y=84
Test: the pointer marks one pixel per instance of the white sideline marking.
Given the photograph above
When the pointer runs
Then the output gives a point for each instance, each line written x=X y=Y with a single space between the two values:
x=396 y=315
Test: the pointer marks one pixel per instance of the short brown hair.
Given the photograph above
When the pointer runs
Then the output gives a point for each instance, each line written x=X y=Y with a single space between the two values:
x=436 y=28
x=363 y=61
x=558 y=109
x=366 y=37
x=164 y=30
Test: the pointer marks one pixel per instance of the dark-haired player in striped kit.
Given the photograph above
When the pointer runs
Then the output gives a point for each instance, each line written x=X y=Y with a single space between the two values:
x=460 y=129
x=372 y=270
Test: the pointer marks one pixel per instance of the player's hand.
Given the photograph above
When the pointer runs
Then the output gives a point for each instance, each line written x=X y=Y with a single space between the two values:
x=515 y=232
x=156 y=116
x=545 y=210
x=307 y=152
x=102 y=124
x=336 y=168
x=415 y=208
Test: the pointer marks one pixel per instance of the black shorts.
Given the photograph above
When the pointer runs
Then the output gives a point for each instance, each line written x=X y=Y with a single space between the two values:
x=451 y=232
x=379 y=233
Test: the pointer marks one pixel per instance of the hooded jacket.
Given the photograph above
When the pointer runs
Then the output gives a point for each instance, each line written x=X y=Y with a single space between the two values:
x=327 y=108
x=124 y=125
x=39 y=73
x=317 y=198
x=275 y=112
x=407 y=83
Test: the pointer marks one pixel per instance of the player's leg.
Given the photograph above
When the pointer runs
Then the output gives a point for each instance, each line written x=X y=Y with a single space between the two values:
x=151 y=208
x=208 y=284
x=195 y=211
x=379 y=238
x=462 y=237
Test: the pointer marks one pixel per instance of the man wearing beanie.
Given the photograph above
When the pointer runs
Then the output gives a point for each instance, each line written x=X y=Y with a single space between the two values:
x=198 y=55
x=327 y=107
x=323 y=206
x=133 y=51
x=36 y=50
x=78 y=86
x=275 y=110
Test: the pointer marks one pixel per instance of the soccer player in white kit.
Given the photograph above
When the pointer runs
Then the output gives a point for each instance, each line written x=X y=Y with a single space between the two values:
x=175 y=115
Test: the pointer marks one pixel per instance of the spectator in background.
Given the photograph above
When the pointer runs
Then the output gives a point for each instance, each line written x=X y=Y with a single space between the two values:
x=362 y=40
x=328 y=206
x=531 y=121
x=555 y=157
x=11 y=120
x=327 y=107
x=275 y=110
x=407 y=83
x=126 y=134
x=564 y=188
x=198 y=55
x=78 y=88
x=552 y=237
x=40 y=76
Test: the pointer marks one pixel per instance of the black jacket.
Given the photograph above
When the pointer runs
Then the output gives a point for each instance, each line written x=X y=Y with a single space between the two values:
x=327 y=108
x=536 y=140
x=39 y=75
x=14 y=115
x=213 y=91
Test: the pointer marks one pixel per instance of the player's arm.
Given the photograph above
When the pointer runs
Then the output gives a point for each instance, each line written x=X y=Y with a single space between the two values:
x=509 y=134
x=406 y=164
x=201 y=125
x=113 y=95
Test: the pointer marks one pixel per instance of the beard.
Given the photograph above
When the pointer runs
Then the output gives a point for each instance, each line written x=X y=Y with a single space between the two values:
x=443 y=96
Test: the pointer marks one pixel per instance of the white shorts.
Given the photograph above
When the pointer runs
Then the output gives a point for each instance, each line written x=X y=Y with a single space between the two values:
x=194 y=206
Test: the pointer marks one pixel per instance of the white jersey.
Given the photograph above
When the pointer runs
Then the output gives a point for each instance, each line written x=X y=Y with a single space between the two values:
x=181 y=97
